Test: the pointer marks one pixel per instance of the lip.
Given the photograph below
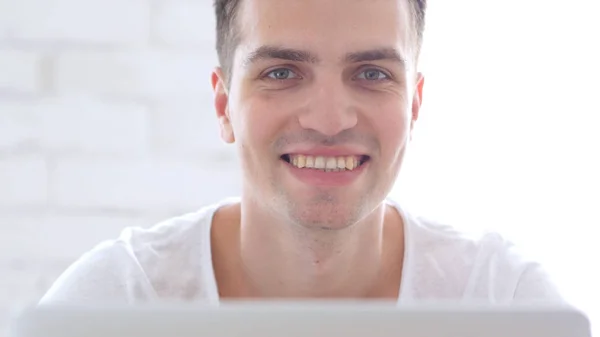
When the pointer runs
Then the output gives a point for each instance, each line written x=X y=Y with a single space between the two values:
x=320 y=178
x=327 y=151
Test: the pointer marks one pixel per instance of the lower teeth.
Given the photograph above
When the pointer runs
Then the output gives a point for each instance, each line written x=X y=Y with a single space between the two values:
x=329 y=170
x=325 y=169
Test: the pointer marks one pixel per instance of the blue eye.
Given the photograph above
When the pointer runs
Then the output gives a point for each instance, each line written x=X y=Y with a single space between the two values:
x=282 y=74
x=373 y=75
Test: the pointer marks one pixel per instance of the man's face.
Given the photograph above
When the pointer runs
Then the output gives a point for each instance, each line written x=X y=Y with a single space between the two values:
x=321 y=104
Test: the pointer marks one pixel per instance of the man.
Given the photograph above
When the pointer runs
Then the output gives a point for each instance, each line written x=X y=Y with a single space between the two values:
x=321 y=97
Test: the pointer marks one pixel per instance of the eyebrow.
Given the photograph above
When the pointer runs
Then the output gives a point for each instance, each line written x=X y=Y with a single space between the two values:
x=297 y=55
x=273 y=52
x=380 y=54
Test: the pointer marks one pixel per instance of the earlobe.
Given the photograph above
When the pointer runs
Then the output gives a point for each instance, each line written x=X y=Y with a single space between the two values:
x=221 y=100
x=226 y=131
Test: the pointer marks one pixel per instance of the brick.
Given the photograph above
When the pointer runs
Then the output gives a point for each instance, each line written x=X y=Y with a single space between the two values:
x=18 y=287
x=74 y=124
x=94 y=126
x=185 y=22
x=19 y=125
x=23 y=181
x=153 y=74
x=19 y=71
x=18 y=290
x=188 y=127
x=51 y=237
x=142 y=184
x=90 y=21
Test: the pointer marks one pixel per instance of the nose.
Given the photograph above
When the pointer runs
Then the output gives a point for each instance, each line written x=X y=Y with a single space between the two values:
x=330 y=110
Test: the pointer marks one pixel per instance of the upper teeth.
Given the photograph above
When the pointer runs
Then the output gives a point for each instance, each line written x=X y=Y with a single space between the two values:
x=325 y=163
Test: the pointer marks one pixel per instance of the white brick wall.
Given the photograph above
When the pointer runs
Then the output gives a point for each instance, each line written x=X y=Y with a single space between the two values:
x=20 y=71
x=67 y=124
x=23 y=182
x=139 y=184
x=186 y=14
x=136 y=73
x=106 y=121
x=90 y=21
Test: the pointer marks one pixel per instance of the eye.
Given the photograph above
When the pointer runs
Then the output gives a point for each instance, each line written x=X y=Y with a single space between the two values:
x=372 y=75
x=282 y=74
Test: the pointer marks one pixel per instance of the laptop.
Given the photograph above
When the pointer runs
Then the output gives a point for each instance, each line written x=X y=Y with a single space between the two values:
x=301 y=319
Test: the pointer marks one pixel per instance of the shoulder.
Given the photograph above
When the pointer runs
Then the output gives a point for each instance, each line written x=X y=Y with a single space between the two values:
x=105 y=273
x=141 y=264
x=478 y=265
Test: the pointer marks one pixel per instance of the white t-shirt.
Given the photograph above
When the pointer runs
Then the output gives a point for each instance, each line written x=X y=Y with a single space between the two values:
x=172 y=261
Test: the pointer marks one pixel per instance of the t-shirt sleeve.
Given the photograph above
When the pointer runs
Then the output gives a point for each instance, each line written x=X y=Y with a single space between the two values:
x=536 y=284
x=109 y=273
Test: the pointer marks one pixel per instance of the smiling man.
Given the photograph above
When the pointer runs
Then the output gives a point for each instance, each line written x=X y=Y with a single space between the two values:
x=320 y=97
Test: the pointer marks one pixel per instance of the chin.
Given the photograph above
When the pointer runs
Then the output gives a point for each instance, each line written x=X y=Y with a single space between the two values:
x=326 y=212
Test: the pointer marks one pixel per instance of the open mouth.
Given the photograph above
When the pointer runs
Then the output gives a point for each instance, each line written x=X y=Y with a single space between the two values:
x=325 y=163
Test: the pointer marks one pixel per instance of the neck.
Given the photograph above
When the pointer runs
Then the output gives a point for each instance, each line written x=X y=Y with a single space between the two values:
x=289 y=261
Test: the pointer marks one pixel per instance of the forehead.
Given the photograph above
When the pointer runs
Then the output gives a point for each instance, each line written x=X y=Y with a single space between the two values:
x=329 y=28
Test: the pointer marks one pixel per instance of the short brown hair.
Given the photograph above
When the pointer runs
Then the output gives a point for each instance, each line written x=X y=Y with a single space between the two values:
x=228 y=36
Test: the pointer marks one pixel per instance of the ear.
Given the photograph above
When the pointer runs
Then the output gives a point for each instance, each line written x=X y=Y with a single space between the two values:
x=417 y=100
x=221 y=99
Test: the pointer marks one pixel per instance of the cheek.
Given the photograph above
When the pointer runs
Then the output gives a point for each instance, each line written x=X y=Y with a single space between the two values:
x=257 y=123
x=393 y=123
